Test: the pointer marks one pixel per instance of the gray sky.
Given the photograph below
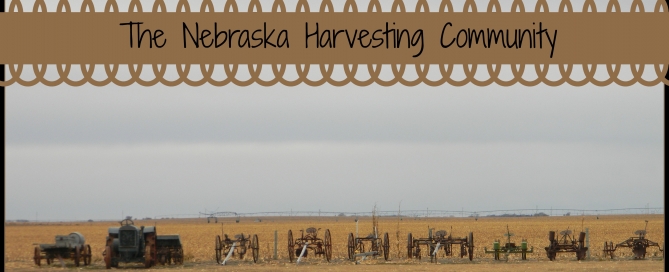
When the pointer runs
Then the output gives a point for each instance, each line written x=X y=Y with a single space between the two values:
x=76 y=153
x=79 y=153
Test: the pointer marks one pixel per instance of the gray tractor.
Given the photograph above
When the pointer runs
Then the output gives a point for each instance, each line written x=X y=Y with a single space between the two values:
x=132 y=244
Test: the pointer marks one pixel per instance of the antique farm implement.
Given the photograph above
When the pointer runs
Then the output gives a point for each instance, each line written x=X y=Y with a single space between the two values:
x=132 y=244
x=638 y=243
x=440 y=240
x=565 y=244
x=509 y=247
x=300 y=246
x=72 y=246
x=169 y=249
x=226 y=247
x=375 y=245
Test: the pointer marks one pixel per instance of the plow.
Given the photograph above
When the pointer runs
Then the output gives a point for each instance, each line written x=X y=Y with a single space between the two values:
x=639 y=245
x=440 y=240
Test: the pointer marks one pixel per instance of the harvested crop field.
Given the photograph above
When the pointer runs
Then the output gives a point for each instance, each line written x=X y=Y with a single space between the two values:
x=198 y=242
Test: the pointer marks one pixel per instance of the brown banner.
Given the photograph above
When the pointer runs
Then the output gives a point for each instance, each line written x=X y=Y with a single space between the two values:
x=334 y=38
x=397 y=38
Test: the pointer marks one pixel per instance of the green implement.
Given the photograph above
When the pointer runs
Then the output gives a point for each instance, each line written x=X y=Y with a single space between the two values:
x=509 y=247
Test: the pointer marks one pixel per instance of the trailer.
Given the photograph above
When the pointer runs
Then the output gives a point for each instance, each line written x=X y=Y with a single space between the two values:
x=72 y=246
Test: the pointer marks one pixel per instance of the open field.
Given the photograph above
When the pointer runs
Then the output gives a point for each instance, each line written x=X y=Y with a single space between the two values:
x=198 y=241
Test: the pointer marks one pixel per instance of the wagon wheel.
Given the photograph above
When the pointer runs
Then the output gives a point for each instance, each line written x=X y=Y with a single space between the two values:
x=291 y=246
x=470 y=239
x=328 y=245
x=38 y=256
x=409 y=246
x=77 y=255
x=386 y=246
x=255 y=247
x=87 y=255
x=108 y=257
x=218 y=249
x=351 y=246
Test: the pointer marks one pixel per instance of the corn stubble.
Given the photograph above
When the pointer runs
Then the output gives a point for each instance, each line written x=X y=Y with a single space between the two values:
x=198 y=236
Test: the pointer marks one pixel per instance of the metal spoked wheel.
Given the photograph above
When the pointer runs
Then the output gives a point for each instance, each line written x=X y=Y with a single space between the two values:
x=470 y=241
x=386 y=246
x=255 y=248
x=77 y=255
x=88 y=255
x=328 y=245
x=291 y=246
x=351 y=246
x=108 y=257
x=38 y=256
x=409 y=246
x=218 y=249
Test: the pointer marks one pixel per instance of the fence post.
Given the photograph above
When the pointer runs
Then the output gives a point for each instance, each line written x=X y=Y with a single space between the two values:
x=276 y=238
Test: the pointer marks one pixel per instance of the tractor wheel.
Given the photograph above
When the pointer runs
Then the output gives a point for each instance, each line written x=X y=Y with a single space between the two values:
x=77 y=255
x=351 y=247
x=409 y=246
x=255 y=248
x=108 y=257
x=470 y=241
x=386 y=246
x=328 y=245
x=291 y=246
x=38 y=256
x=147 y=256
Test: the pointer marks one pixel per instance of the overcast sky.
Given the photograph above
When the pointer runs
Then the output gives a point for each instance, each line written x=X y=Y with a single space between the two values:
x=77 y=153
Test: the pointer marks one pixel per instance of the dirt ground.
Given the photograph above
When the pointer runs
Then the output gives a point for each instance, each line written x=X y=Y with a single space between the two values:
x=653 y=264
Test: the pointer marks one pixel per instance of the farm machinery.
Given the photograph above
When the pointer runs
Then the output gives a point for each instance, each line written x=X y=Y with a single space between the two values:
x=638 y=243
x=300 y=246
x=565 y=244
x=132 y=244
x=438 y=241
x=377 y=246
x=169 y=249
x=240 y=244
x=72 y=246
x=509 y=247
